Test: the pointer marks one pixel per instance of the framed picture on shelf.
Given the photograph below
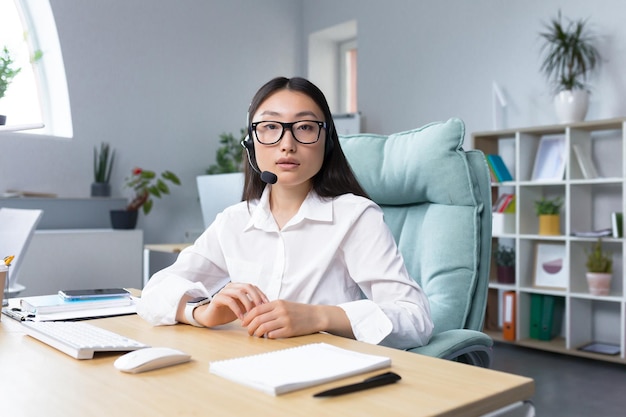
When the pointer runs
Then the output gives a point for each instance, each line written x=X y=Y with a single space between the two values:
x=550 y=266
x=550 y=159
x=587 y=168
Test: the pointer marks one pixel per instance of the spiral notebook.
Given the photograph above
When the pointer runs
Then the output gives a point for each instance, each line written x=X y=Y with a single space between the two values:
x=291 y=369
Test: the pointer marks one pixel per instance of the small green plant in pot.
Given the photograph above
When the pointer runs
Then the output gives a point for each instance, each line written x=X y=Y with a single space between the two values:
x=7 y=73
x=599 y=270
x=103 y=159
x=504 y=257
x=548 y=211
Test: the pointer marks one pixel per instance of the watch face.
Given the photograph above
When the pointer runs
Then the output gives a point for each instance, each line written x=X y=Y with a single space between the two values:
x=197 y=300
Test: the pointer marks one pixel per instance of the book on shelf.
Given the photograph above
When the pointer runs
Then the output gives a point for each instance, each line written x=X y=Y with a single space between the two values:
x=617 y=224
x=600 y=347
x=46 y=304
x=497 y=165
x=593 y=233
x=291 y=369
x=587 y=168
x=505 y=203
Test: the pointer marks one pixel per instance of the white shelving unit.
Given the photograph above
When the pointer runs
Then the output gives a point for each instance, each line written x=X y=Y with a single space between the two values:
x=588 y=204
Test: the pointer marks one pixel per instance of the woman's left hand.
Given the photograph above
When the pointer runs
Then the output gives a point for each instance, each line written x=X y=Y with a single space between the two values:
x=280 y=319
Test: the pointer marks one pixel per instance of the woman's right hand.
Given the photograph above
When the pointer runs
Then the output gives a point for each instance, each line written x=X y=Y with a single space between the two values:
x=230 y=303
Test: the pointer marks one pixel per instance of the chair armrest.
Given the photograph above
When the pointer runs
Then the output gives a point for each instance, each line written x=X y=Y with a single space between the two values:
x=463 y=345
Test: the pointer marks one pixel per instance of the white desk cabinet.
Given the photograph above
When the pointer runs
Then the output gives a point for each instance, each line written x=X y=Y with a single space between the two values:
x=82 y=258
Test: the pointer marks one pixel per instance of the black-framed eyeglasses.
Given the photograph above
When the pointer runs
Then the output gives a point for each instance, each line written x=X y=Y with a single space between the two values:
x=304 y=131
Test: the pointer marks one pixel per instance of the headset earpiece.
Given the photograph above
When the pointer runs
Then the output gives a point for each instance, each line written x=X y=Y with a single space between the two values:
x=247 y=143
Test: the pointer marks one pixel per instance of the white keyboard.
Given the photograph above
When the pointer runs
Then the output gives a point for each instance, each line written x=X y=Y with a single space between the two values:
x=78 y=339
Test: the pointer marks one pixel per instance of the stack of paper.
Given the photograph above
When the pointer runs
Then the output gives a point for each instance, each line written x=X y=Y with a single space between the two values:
x=55 y=307
x=46 y=304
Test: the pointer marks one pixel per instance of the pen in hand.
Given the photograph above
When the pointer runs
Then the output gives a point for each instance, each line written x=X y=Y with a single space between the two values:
x=375 y=381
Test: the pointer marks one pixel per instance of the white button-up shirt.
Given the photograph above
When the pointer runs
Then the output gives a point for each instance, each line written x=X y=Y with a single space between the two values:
x=334 y=251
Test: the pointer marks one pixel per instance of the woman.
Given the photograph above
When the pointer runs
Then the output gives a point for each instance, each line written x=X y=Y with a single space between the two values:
x=305 y=252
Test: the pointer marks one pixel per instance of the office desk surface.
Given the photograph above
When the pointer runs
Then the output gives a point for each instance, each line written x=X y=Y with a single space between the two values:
x=38 y=380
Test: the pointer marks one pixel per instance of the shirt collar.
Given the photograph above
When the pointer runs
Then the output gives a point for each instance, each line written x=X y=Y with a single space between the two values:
x=313 y=208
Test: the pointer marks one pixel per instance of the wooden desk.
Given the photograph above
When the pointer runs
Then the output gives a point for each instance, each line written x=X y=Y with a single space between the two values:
x=38 y=380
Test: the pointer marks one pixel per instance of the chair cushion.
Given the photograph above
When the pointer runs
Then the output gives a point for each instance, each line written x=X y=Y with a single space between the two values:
x=423 y=182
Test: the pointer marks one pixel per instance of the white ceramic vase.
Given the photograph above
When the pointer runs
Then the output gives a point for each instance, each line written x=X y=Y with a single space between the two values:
x=571 y=105
x=599 y=283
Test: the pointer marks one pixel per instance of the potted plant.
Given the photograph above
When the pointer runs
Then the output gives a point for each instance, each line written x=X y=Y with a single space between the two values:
x=222 y=185
x=599 y=270
x=570 y=55
x=7 y=73
x=504 y=257
x=228 y=156
x=145 y=184
x=548 y=211
x=102 y=167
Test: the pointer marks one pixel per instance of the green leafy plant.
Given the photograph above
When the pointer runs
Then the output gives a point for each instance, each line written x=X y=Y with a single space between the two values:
x=228 y=156
x=504 y=255
x=103 y=163
x=146 y=184
x=548 y=206
x=570 y=53
x=7 y=70
x=597 y=260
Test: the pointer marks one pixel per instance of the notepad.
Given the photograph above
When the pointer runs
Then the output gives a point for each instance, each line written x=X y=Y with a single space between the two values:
x=291 y=369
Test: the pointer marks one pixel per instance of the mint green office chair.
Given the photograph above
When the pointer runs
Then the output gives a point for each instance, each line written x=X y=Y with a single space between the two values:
x=437 y=201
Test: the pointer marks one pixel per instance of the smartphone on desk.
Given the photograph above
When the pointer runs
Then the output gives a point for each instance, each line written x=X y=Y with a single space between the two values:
x=93 y=293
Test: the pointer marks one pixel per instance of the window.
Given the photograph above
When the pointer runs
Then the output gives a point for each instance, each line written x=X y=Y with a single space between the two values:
x=38 y=94
x=347 y=76
x=333 y=65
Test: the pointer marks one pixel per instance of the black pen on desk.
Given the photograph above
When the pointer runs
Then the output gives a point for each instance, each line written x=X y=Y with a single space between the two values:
x=375 y=381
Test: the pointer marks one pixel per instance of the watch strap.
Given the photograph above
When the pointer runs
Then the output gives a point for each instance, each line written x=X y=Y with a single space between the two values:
x=189 y=309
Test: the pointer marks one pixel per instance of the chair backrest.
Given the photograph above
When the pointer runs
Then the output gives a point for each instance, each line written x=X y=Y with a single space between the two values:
x=17 y=227
x=217 y=192
x=437 y=201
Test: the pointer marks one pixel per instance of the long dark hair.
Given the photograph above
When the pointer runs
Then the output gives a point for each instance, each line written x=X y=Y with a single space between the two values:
x=335 y=176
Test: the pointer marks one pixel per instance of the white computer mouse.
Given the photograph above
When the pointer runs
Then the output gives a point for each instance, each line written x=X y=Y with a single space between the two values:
x=147 y=359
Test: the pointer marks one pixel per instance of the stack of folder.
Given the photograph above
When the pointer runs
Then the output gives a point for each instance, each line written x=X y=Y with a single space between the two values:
x=546 y=316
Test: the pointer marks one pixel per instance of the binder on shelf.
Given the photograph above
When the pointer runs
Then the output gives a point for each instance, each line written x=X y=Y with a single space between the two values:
x=536 y=309
x=617 y=224
x=491 y=313
x=499 y=167
x=508 y=325
x=551 y=317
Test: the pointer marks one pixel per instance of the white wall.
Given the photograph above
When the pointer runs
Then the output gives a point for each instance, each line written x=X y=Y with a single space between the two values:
x=426 y=60
x=160 y=79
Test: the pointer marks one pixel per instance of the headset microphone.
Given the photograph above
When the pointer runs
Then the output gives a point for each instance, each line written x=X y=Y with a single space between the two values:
x=269 y=177
x=266 y=176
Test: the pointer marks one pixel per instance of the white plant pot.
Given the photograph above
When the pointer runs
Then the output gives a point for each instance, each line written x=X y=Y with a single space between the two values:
x=599 y=283
x=571 y=105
